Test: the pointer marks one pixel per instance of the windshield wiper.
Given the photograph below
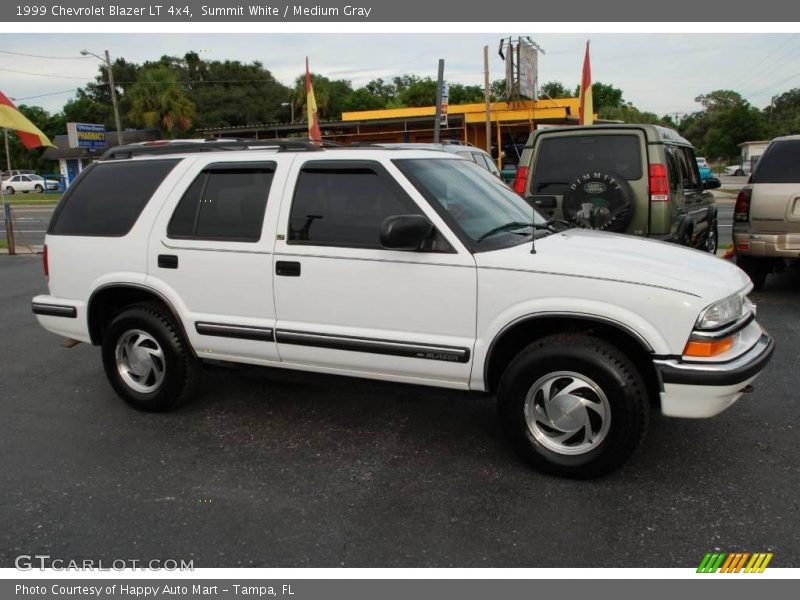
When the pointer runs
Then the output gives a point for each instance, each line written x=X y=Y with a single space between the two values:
x=505 y=227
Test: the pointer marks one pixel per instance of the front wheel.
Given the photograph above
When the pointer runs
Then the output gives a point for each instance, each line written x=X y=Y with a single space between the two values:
x=147 y=361
x=573 y=405
x=10 y=190
x=38 y=189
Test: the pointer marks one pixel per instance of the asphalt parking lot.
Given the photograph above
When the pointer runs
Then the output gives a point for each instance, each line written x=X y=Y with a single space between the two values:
x=280 y=469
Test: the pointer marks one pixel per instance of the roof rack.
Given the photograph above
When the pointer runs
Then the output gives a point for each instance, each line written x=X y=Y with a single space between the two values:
x=214 y=145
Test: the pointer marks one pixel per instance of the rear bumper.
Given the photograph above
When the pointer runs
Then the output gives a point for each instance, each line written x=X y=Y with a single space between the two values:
x=777 y=245
x=698 y=390
x=63 y=317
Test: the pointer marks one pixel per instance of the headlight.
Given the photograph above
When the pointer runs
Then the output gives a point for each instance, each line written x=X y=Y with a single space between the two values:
x=723 y=312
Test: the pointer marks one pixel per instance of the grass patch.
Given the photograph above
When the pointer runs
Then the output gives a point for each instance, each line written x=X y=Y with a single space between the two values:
x=4 y=243
x=32 y=198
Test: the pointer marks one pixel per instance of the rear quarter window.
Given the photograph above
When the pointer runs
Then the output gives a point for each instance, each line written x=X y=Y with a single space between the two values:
x=108 y=198
x=780 y=163
x=561 y=160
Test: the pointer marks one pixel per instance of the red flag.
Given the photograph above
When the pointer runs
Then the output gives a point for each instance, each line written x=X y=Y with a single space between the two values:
x=586 y=107
x=314 y=133
x=10 y=118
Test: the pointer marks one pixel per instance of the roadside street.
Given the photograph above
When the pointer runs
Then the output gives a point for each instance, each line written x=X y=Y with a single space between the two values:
x=284 y=469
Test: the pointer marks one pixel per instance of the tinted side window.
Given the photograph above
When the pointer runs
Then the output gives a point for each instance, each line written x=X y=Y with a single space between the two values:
x=344 y=204
x=673 y=172
x=780 y=163
x=560 y=160
x=224 y=202
x=689 y=171
x=108 y=197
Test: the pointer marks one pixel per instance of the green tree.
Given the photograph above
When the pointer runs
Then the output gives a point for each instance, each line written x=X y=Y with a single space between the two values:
x=784 y=113
x=464 y=94
x=554 y=89
x=420 y=92
x=604 y=96
x=331 y=96
x=720 y=100
x=159 y=100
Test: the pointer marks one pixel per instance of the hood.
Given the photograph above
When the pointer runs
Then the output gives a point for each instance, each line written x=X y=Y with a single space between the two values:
x=623 y=258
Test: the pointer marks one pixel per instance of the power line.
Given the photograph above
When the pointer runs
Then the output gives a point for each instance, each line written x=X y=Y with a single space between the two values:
x=44 y=95
x=44 y=56
x=41 y=74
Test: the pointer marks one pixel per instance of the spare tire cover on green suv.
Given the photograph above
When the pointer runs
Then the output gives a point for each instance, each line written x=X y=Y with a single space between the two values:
x=599 y=201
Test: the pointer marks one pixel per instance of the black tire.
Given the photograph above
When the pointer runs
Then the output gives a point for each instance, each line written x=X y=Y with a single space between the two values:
x=738 y=172
x=757 y=269
x=712 y=239
x=595 y=360
x=179 y=369
x=10 y=190
x=599 y=201
x=38 y=189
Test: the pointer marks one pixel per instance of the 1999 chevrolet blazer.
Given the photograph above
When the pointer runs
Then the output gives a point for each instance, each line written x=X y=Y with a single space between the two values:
x=402 y=265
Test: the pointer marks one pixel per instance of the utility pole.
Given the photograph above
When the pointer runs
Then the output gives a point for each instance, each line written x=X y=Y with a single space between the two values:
x=114 y=98
x=113 y=89
x=487 y=96
x=437 y=125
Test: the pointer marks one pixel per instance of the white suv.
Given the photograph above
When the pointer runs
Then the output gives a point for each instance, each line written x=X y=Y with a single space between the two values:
x=410 y=266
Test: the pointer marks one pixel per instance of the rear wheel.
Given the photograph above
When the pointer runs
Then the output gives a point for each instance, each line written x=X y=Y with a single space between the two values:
x=573 y=405
x=9 y=190
x=756 y=269
x=146 y=359
x=739 y=172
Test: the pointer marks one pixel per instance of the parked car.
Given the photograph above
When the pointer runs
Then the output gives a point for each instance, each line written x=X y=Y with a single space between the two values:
x=410 y=266
x=706 y=174
x=28 y=183
x=512 y=153
x=766 y=219
x=480 y=157
x=12 y=172
x=636 y=179
x=737 y=170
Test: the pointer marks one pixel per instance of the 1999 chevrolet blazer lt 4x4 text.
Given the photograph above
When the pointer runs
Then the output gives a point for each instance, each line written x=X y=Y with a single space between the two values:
x=402 y=265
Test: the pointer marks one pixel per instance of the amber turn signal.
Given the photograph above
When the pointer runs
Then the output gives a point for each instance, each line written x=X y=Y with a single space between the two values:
x=708 y=348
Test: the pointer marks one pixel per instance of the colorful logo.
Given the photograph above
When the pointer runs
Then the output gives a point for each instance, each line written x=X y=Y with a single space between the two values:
x=745 y=562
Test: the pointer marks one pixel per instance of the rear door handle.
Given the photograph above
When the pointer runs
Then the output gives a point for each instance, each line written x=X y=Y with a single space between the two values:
x=168 y=261
x=286 y=268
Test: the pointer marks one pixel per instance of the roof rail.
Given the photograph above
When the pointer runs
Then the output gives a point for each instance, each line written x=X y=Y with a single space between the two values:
x=214 y=145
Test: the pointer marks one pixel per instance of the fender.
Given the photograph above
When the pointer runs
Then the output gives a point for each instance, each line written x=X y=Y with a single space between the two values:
x=639 y=328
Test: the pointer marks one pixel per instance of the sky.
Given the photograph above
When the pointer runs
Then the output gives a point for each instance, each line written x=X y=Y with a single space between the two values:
x=661 y=73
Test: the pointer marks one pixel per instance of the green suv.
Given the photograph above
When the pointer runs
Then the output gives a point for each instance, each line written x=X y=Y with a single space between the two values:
x=636 y=179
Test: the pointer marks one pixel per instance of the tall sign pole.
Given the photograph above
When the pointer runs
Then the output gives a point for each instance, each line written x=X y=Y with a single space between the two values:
x=437 y=125
x=487 y=96
x=6 y=205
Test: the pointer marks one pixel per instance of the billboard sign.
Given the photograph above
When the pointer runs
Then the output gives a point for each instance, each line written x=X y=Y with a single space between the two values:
x=86 y=135
x=528 y=58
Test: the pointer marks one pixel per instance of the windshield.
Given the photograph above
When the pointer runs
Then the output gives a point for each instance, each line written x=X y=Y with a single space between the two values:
x=473 y=200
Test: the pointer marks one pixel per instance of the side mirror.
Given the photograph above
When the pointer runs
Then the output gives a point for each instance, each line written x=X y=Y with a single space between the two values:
x=711 y=183
x=405 y=232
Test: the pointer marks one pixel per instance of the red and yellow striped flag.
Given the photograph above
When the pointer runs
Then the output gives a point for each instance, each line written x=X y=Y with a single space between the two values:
x=586 y=108
x=10 y=118
x=314 y=133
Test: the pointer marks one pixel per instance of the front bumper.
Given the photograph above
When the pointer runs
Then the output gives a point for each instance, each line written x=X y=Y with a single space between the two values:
x=704 y=389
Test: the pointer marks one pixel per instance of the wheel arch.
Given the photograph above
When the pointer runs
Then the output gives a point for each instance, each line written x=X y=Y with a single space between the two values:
x=519 y=333
x=109 y=300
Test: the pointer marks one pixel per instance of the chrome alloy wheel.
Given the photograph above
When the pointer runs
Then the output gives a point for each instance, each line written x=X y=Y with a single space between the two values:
x=140 y=361
x=567 y=413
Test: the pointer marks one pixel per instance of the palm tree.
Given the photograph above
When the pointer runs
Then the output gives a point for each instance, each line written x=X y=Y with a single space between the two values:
x=158 y=100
